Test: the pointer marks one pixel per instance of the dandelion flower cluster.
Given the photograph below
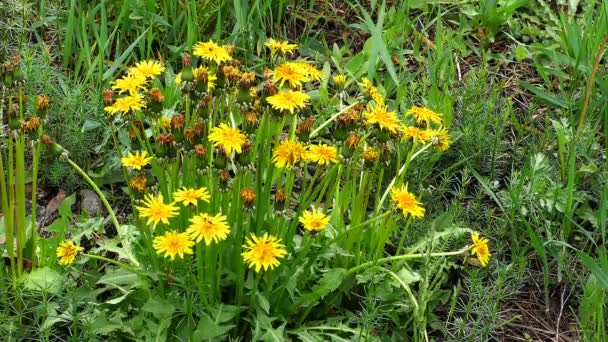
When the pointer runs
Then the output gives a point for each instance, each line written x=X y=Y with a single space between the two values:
x=211 y=51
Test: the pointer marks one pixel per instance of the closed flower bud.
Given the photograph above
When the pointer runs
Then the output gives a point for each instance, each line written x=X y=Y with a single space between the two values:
x=42 y=104
x=108 y=97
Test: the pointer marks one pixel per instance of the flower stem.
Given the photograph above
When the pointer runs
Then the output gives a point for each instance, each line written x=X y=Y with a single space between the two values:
x=115 y=262
x=357 y=268
x=105 y=202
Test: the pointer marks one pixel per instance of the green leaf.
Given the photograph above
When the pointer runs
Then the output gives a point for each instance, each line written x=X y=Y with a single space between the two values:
x=544 y=96
x=158 y=307
x=408 y=277
x=207 y=328
x=330 y=281
x=600 y=271
x=119 y=276
x=45 y=280
x=110 y=72
x=263 y=302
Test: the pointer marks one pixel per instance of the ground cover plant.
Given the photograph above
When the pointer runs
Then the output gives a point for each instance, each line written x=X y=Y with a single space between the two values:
x=290 y=171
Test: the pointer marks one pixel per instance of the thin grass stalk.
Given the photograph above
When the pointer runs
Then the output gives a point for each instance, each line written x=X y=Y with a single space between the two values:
x=35 y=161
x=4 y=189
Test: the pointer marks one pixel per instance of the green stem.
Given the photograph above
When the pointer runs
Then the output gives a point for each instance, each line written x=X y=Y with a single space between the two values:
x=105 y=202
x=330 y=120
x=357 y=268
x=404 y=234
x=36 y=158
x=115 y=262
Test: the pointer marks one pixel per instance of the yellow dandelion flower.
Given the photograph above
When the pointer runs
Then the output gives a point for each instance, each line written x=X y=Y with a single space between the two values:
x=339 y=80
x=173 y=243
x=312 y=72
x=480 y=249
x=314 y=220
x=211 y=228
x=280 y=47
x=156 y=210
x=289 y=153
x=291 y=72
x=211 y=77
x=190 y=196
x=126 y=104
x=149 y=69
x=440 y=138
x=211 y=51
x=263 y=252
x=230 y=139
x=414 y=133
x=130 y=83
x=164 y=122
x=288 y=100
x=407 y=202
x=322 y=154
x=370 y=154
x=136 y=161
x=372 y=91
x=423 y=114
x=67 y=251
x=380 y=116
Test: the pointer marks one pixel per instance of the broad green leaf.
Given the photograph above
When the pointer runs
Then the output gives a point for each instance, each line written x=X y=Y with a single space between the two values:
x=118 y=276
x=207 y=328
x=408 y=277
x=159 y=307
x=45 y=280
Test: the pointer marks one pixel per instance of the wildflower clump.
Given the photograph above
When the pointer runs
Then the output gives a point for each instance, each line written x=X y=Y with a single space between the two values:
x=237 y=170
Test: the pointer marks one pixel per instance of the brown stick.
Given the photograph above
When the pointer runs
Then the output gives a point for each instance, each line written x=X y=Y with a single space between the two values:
x=589 y=87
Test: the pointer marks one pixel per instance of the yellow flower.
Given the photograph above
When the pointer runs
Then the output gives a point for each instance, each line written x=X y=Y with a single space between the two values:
x=370 y=154
x=263 y=252
x=211 y=51
x=291 y=72
x=339 y=80
x=156 y=210
x=314 y=220
x=137 y=160
x=288 y=100
x=322 y=154
x=438 y=137
x=407 y=202
x=480 y=248
x=211 y=78
x=230 y=139
x=380 y=116
x=130 y=83
x=211 y=228
x=282 y=47
x=149 y=69
x=372 y=91
x=190 y=196
x=164 y=122
x=172 y=244
x=313 y=73
x=67 y=251
x=426 y=115
x=414 y=133
x=125 y=104
x=288 y=153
